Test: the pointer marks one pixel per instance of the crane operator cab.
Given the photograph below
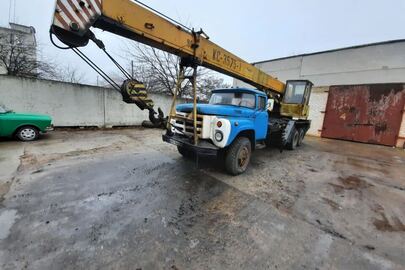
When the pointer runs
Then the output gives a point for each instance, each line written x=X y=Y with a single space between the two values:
x=296 y=99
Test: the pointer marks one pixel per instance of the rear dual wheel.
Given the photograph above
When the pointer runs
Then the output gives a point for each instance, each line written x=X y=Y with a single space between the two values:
x=293 y=143
x=296 y=139
x=301 y=137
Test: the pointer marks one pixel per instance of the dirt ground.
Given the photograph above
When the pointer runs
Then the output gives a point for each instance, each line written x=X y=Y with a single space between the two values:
x=123 y=199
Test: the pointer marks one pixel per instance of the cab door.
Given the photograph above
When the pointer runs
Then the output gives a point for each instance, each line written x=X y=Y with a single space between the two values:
x=261 y=118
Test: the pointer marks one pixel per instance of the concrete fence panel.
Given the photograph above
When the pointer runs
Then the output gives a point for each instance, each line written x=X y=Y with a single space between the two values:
x=72 y=105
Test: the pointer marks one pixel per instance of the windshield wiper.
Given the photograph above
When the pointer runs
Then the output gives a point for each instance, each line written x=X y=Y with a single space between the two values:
x=225 y=104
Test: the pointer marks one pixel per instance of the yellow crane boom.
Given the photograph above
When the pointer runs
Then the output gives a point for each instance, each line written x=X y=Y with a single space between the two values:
x=285 y=124
x=73 y=19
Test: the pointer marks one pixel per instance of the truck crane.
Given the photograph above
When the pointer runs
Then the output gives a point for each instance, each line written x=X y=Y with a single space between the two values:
x=234 y=123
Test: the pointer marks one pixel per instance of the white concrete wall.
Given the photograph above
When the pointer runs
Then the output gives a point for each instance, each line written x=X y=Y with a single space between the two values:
x=317 y=103
x=380 y=63
x=384 y=63
x=3 y=70
x=72 y=104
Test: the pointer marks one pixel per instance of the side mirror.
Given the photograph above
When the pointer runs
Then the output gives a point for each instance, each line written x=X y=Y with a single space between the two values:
x=270 y=104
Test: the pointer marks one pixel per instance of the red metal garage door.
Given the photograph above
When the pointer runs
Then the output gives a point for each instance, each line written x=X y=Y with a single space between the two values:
x=365 y=113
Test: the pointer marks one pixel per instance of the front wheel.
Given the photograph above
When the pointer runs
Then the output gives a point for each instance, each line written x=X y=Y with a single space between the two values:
x=238 y=156
x=27 y=133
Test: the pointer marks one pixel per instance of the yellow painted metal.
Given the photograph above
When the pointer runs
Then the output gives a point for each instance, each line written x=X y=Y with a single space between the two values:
x=172 y=113
x=143 y=25
x=195 y=105
x=136 y=92
x=298 y=111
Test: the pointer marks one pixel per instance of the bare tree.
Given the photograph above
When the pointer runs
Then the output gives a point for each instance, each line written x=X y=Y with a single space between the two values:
x=159 y=72
x=210 y=82
x=21 y=59
x=70 y=75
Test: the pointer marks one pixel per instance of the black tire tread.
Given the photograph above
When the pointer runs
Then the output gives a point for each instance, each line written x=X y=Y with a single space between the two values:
x=301 y=135
x=290 y=145
x=27 y=126
x=231 y=155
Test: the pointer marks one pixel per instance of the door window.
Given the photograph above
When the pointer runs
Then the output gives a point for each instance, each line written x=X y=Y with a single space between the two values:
x=262 y=103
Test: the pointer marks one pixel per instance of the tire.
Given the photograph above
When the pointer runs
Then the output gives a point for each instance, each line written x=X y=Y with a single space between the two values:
x=184 y=152
x=294 y=140
x=148 y=124
x=238 y=155
x=27 y=133
x=301 y=137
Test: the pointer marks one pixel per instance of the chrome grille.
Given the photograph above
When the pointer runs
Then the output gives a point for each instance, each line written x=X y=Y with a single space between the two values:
x=184 y=123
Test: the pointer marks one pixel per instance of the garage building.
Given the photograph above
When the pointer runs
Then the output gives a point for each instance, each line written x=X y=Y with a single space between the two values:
x=359 y=92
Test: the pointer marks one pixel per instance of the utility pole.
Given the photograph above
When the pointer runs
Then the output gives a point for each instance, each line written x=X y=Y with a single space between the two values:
x=132 y=68
x=12 y=11
x=9 y=10
x=15 y=8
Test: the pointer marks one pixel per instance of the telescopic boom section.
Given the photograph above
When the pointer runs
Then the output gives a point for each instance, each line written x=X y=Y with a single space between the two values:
x=73 y=19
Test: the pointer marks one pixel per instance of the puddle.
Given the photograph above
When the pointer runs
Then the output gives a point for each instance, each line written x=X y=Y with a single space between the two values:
x=7 y=219
x=350 y=183
x=385 y=225
x=353 y=182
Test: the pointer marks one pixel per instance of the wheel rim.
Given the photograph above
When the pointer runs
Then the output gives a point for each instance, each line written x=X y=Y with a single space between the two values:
x=295 y=139
x=243 y=157
x=302 y=134
x=28 y=133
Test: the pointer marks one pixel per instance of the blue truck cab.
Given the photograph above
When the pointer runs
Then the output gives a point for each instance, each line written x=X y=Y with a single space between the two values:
x=231 y=112
x=230 y=126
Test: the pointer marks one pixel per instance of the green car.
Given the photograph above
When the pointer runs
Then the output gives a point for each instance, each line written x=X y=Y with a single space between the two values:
x=26 y=127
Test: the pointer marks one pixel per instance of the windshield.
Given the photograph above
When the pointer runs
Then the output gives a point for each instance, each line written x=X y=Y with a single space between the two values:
x=295 y=92
x=235 y=99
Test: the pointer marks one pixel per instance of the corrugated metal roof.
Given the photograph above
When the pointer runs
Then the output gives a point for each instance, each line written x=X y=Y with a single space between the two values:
x=334 y=50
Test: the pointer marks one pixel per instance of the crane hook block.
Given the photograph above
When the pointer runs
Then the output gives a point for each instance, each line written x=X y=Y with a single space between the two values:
x=133 y=91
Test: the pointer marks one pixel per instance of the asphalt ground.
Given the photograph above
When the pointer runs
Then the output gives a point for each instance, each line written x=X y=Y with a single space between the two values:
x=123 y=199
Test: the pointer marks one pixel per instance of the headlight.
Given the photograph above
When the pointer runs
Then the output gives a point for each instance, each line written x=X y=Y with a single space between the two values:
x=219 y=136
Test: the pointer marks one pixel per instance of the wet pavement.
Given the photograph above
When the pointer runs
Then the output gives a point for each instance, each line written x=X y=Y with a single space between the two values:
x=122 y=199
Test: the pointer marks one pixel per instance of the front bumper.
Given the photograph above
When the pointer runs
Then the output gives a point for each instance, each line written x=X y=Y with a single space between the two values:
x=204 y=148
x=47 y=129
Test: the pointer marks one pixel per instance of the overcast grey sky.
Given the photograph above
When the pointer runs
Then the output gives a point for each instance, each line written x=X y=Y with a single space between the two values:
x=254 y=30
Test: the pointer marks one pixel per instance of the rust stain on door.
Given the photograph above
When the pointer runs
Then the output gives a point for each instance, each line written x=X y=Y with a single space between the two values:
x=365 y=113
